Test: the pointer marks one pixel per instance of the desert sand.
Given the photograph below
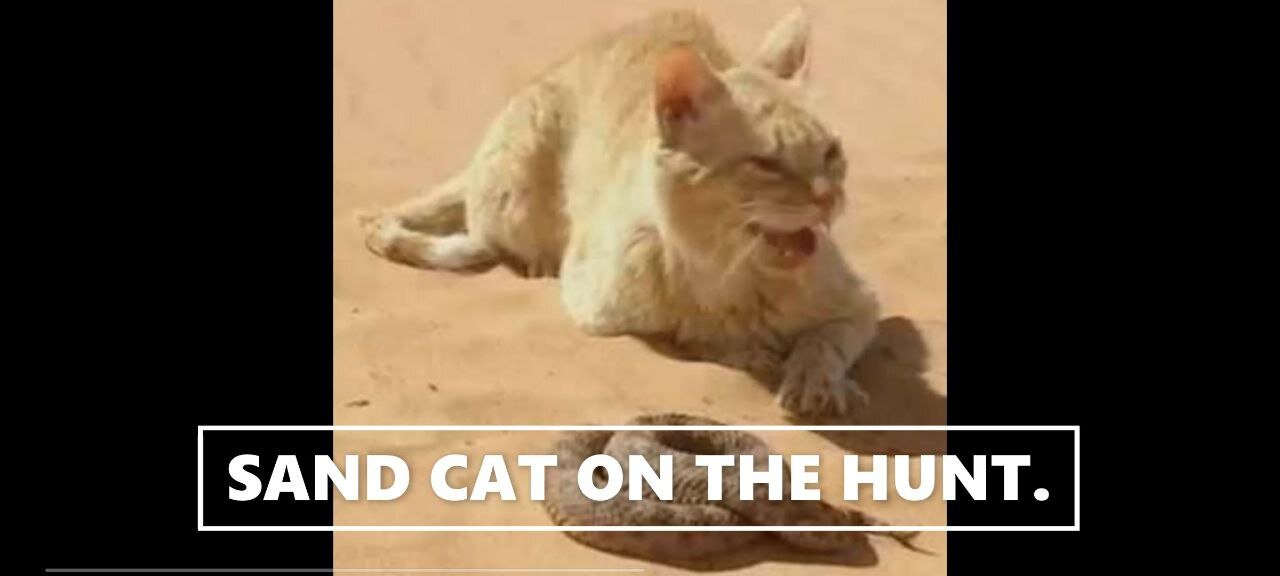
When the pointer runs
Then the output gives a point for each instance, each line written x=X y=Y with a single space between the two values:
x=414 y=84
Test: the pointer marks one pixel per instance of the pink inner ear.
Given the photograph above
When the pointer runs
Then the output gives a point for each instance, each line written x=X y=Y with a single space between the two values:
x=681 y=80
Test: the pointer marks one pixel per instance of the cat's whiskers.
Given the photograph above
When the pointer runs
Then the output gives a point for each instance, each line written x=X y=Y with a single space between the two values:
x=753 y=242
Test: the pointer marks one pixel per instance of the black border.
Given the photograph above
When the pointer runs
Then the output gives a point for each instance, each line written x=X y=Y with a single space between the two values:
x=183 y=155
x=180 y=264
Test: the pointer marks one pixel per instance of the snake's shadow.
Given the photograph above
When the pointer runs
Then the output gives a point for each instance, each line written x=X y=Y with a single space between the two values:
x=861 y=554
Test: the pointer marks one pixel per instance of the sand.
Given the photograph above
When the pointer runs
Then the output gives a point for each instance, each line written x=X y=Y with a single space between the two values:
x=416 y=81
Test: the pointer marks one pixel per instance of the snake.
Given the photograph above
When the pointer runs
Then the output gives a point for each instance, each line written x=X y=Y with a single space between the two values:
x=689 y=505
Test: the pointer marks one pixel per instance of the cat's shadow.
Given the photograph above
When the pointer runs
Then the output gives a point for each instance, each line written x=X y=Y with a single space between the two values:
x=892 y=372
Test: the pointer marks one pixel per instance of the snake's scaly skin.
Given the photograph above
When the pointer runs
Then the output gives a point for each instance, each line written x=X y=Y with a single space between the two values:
x=689 y=505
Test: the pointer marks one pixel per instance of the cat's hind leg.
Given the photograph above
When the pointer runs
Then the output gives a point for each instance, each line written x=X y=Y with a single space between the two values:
x=459 y=251
x=505 y=206
x=515 y=199
x=429 y=231
x=440 y=210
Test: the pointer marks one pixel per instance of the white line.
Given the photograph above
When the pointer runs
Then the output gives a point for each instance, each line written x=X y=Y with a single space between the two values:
x=1077 y=439
x=200 y=479
x=545 y=528
x=535 y=428
x=481 y=570
x=540 y=528
x=331 y=570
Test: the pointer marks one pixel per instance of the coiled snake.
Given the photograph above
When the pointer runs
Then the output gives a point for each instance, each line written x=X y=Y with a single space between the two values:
x=689 y=505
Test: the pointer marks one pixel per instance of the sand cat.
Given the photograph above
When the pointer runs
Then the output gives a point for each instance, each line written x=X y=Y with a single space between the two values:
x=676 y=194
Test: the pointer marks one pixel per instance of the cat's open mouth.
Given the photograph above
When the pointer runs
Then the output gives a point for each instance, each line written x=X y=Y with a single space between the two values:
x=792 y=247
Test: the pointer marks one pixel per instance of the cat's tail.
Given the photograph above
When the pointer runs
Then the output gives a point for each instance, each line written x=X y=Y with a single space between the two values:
x=429 y=232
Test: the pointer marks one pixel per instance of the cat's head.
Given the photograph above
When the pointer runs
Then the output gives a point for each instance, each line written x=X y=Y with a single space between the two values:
x=746 y=173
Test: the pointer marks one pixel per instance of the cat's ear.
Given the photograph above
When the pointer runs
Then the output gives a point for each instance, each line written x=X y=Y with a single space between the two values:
x=785 y=51
x=685 y=87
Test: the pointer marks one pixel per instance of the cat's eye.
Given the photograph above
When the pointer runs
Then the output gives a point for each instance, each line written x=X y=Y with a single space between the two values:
x=833 y=153
x=766 y=164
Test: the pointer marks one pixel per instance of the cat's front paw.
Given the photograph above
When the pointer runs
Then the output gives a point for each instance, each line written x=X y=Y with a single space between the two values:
x=815 y=382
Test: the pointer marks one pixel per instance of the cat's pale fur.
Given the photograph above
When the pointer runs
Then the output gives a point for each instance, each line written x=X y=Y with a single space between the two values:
x=676 y=194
